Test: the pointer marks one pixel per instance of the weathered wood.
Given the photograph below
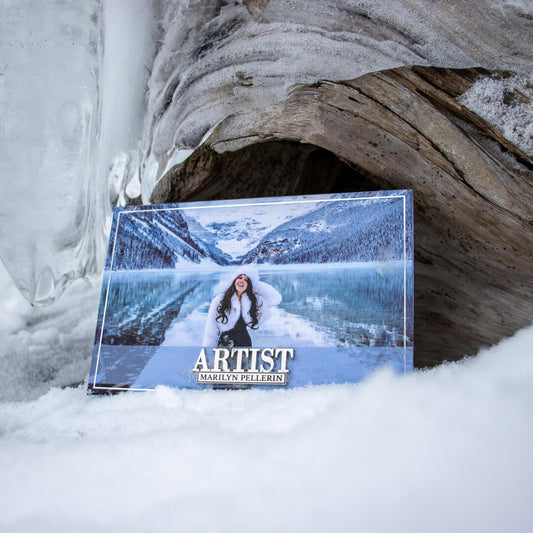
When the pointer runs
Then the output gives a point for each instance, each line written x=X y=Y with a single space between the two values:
x=401 y=128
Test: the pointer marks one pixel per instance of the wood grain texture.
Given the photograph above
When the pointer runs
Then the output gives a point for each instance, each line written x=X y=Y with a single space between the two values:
x=401 y=128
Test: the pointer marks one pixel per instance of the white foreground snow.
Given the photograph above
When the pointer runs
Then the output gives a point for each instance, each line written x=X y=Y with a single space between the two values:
x=448 y=449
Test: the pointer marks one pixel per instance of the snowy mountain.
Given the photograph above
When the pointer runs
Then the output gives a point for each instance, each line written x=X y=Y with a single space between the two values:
x=239 y=235
x=349 y=230
x=239 y=229
x=364 y=230
x=158 y=239
x=206 y=239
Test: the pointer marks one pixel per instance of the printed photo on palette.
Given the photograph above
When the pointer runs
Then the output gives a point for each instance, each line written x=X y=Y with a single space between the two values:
x=266 y=292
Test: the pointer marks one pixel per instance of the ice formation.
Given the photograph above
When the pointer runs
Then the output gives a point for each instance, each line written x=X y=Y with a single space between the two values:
x=230 y=59
x=73 y=84
x=102 y=97
x=51 y=69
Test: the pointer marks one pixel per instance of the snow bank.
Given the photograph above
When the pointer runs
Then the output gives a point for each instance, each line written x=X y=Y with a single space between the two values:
x=442 y=450
x=43 y=347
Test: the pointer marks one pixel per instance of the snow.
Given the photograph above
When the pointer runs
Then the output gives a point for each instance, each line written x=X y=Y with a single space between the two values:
x=507 y=104
x=42 y=347
x=245 y=225
x=439 y=450
x=192 y=83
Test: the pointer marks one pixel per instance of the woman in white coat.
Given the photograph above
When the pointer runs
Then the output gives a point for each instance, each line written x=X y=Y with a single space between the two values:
x=241 y=303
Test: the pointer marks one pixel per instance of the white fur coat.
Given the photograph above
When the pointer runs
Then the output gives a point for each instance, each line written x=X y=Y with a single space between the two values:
x=267 y=297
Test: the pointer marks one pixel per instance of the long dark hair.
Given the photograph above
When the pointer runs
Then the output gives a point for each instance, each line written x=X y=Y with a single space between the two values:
x=225 y=305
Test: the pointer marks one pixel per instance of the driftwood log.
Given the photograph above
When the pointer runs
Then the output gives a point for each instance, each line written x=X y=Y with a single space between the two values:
x=401 y=128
